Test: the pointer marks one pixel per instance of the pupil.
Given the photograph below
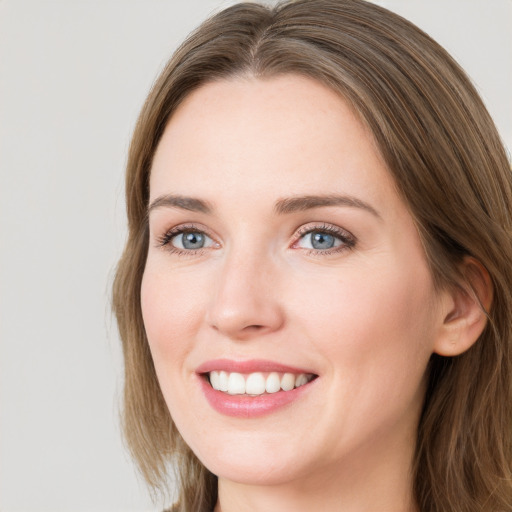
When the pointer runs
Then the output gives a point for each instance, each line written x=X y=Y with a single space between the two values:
x=193 y=240
x=322 y=241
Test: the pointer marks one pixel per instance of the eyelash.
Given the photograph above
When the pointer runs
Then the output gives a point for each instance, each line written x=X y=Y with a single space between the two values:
x=165 y=239
x=348 y=241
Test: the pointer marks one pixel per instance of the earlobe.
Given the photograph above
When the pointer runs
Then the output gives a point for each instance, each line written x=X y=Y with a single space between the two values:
x=465 y=312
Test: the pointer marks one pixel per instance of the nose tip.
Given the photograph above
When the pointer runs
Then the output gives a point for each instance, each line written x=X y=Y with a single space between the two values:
x=246 y=318
x=245 y=305
x=236 y=325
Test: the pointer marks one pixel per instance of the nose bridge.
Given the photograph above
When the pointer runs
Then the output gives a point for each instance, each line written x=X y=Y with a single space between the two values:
x=245 y=300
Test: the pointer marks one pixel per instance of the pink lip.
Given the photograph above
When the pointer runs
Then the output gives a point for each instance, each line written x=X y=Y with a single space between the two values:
x=244 y=406
x=251 y=366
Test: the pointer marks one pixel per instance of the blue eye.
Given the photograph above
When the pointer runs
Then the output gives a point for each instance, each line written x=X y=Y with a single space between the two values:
x=319 y=240
x=191 y=240
x=324 y=239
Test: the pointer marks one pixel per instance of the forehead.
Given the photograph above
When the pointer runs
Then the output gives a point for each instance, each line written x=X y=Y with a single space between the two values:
x=279 y=136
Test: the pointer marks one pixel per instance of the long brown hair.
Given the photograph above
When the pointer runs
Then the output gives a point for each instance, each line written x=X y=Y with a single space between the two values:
x=450 y=167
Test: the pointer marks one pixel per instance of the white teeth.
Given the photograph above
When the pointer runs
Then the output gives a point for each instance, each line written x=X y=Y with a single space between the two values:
x=273 y=384
x=256 y=383
x=236 y=384
x=301 y=380
x=214 y=380
x=288 y=382
x=223 y=381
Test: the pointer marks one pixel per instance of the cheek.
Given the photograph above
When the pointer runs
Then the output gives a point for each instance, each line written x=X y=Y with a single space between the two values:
x=373 y=317
x=170 y=309
x=375 y=330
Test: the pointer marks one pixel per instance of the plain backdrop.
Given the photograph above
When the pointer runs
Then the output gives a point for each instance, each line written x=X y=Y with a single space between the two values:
x=73 y=76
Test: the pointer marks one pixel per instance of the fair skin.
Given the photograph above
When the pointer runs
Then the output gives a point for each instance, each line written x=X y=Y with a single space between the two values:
x=339 y=290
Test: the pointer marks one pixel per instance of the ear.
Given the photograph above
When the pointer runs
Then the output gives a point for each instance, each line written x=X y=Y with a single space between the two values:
x=465 y=310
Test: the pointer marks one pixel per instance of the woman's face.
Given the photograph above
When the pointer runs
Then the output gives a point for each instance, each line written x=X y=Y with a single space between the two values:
x=279 y=245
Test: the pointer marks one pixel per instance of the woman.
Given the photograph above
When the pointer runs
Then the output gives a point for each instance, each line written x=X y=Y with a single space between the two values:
x=314 y=298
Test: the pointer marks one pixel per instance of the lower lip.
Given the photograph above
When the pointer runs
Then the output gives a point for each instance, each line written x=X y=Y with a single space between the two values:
x=244 y=406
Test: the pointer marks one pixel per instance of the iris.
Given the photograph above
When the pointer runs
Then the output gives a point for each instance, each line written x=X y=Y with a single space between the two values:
x=321 y=240
x=193 y=240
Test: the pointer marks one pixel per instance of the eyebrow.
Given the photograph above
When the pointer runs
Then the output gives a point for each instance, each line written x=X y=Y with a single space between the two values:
x=302 y=203
x=181 y=202
x=282 y=206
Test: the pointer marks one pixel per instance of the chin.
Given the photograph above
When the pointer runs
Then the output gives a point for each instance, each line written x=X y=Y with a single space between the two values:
x=258 y=462
x=248 y=472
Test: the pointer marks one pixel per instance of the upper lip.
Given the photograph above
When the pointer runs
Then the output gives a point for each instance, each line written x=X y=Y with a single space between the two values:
x=249 y=366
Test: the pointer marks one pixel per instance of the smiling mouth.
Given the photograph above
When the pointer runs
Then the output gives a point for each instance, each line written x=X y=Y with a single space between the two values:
x=257 y=383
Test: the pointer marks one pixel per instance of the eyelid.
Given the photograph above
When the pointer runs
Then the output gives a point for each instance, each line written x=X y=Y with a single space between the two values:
x=164 y=240
x=348 y=240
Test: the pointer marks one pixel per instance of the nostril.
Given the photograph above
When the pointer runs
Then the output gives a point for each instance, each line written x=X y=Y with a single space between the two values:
x=242 y=317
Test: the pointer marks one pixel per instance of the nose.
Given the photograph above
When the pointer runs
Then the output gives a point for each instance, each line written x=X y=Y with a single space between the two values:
x=246 y=302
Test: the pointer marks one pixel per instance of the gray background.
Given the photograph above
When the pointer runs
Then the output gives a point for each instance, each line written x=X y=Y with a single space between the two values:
x=73 y=75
